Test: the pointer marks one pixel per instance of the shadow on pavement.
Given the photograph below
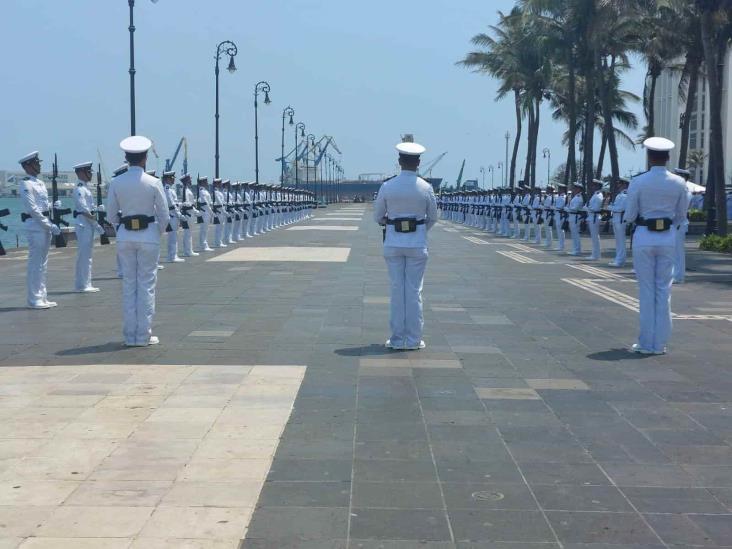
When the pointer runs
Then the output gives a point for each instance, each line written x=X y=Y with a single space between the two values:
x=365 y=350
x=13 y=309
x=614 y=355
x=93 y=349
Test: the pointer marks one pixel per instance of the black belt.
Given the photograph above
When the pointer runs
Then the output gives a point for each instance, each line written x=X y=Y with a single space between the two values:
x=656 y=225
x=396 y=221
x=137 y=222
x=25 y=216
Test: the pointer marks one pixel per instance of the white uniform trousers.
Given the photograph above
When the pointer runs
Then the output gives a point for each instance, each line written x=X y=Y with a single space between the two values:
x=251 y=226
x=84 y=246
x=219 y=235
x=548 y=234
x=574 y=230
x=173 y=239
x=188 y=240
x=406 y=268
x=516 y=226
x=680 y=262
x=560 y=234
x=527 y=229
x=39 y=243
x=236 y=228
x=537 y=229
x=621 y=253
x=203 y=234
x=593 y=223
x=654 y=269
x=139 y=276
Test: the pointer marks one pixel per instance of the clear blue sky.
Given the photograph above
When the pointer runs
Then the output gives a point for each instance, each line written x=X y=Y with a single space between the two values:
x=364 y=72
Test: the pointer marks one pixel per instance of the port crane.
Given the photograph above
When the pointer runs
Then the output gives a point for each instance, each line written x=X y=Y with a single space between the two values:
x=428 y=170
x=169 y=163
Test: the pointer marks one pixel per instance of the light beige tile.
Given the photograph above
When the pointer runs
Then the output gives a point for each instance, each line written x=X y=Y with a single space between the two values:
x=124 y=468
x=431 y=364
x=248 y=416
x=16 y=401
x=10 y=543
x=157 y=430
x=68 y=401
x=394 y=362
x=23 y=492
x=491 y=393
x=133 y=493
x=95 y=522
x=21 y=429
x=156 y=449
x=295 y=372
x=199 y=415
x=197 y=522
x=76 y=543
x=284 y=253
x=220 y=470
x=196 y=401
x=48 y=468
x=251 y=431
x=144 y=389
x=114 y=415
x=19 y=447
x=262 y=401
x=561 y=384
x=108 y=430
x=210 y=494
x=369 y=371
x=20 y=521
x=235 y=448
x=41 y=414
x=131 y=401
x=205 y=389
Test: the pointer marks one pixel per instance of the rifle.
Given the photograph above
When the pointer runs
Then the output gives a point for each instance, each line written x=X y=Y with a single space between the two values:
x=3 y=213
x=101 y=216
x=199 y=219
x=184 y=209
x=57 y=213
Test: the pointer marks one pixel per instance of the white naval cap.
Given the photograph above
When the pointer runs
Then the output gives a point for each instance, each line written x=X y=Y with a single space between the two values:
x=135 y=144
x=169 y=174
x=681 y=171
x=28 y=157
x=83 y=166
x=410 y=149
x=119 y=171
x=659 y=144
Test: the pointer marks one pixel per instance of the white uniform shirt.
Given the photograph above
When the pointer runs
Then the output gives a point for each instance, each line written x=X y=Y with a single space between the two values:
x=656 y=194
x=83 y=203
x=406 y=195
x=172 y=199
x=576 y=204
x=618 y=206
x=559 y=203
x=35 y=201
x=137 y=193
x=595 y=203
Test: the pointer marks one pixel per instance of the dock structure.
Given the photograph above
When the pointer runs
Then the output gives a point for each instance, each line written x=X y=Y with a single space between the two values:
x=272 y=416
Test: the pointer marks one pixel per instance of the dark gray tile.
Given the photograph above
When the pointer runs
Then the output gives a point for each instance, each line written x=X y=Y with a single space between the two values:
x=679 y=530
x=488 y=496
x=397 y=495
x=581 y=498
x=394 y=449
x=293 y=543
x=673 y=500
x=517 y=526
x=619 y=528
x=716 y=527
x=298 y=523
x=305 y=494
x=478 y=471
x=374 y=470
x=669 y=476
x=400 y=544
x=564 y=473
x=395 y=524
x=332 y=470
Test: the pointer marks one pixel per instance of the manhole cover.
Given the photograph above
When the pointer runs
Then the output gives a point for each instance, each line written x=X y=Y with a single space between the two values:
x=488 y=496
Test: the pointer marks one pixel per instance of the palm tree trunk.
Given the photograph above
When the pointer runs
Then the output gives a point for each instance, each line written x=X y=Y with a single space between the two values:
x=601 y=158
x=651 y=127
x=517 y=139
x=571 y=170
x=535 y=144
x=692 y=69
x=589 y=137
x=529 y=139
x=606 y=82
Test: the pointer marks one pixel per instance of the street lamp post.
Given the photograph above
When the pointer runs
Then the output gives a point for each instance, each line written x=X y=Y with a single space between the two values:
x=264 y=88
x=492 y=170
x=289 y=111
x=500 y=167
x=229 y=48
x=308 y=140
x=548 y=155
x=132 y=71
x=301 y=128
x=482 y=171
x=508 y=137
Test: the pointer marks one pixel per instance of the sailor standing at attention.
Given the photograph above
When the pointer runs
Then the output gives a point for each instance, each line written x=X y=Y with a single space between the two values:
x=657 y=203
x=617 y=209
x=143 y=219
x=203 y=204
x=560 y=215
x=38 y=230
x=175 y=215
x=681 y=230
x=188 y=213
x=594 y=210
x=406 y=204
x=574 y=210
x=84 y=225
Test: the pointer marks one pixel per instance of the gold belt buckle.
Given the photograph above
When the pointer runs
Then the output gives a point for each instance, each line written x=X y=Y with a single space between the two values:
x=659 y=224
x=135 y=224
x=405 y=226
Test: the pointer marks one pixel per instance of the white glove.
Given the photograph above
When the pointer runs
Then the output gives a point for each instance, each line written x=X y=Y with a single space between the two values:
x=55 y=231
x=101 y=208
x=57 y=205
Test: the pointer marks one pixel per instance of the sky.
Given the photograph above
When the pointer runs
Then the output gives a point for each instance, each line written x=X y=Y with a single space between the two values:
x=364 y=72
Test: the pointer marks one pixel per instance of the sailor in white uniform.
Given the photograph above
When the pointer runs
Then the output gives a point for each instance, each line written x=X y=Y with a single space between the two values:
x=560 y=215
x=617 y=210
x=38 y=231
x=549 y=216
x=175 y=216
x=526 y=213
x=594 y=213
x=657 y=202
x=219 y=213
x=142 y=221
x=574 y=210
x=407 y=207
x=188 y=215
x=119 y=171
x=681 y=231
x=537 y=219
x=85 y=223
x=203 y=204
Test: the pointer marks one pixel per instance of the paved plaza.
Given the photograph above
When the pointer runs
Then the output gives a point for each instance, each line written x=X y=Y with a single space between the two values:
x=272 y=417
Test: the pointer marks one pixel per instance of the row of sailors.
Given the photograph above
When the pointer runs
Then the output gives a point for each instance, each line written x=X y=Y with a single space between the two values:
x=543 y=215
x=237 y=210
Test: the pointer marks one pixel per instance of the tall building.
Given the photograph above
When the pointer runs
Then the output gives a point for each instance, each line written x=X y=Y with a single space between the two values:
x=670 y=107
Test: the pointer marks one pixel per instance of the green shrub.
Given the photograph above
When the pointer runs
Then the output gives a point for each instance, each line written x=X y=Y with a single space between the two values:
x=715 y=243
x=697 y=215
